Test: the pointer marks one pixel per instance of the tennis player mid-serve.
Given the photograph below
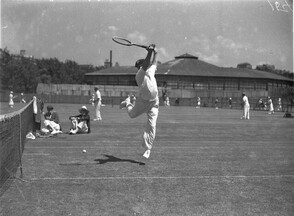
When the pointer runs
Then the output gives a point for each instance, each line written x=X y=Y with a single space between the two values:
x=147 y=98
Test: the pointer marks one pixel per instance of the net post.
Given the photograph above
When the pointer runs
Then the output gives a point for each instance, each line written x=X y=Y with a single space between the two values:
x=20 y=147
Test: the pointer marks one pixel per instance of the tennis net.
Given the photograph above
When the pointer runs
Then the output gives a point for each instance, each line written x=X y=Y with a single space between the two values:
x=14 y=128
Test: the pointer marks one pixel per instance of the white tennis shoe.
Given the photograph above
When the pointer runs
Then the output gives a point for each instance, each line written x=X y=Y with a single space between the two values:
x=125 y=103
x=147 y=154
x=56 y=132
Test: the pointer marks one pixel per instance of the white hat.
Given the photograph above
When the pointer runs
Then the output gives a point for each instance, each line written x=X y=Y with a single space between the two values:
x=84 y=107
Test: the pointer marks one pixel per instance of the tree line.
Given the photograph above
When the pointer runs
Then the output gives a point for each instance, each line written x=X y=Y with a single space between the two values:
x=22 y=74
x=267 y=68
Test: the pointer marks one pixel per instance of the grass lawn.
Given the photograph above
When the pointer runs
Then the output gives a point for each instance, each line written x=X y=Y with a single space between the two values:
x=204 y=162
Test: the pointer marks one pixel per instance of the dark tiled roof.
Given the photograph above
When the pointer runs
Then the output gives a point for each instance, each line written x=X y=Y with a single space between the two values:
x=122 y=70
x=188 y=65
x=195 y=67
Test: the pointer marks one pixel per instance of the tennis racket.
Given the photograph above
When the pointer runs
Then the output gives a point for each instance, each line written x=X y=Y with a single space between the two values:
x=125 y=42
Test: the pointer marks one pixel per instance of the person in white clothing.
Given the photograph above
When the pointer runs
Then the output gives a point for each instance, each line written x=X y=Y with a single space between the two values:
x=198 y=102
x=279 y=105
x=11 y=97
x=270 y=106
x=97 y=104
x=147 y=98
x=22 y=100
x=246 y=106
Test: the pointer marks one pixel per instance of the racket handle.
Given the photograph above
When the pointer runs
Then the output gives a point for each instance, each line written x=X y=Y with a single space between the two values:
x=142 y=46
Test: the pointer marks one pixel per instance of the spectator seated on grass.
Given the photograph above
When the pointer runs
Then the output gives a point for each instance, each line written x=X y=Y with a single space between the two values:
x=80 y=123
x=52 y=121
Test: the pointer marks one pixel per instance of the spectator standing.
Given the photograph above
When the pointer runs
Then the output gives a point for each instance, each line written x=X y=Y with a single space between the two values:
x=22 y=100
x=38 y=106
x=270 y=105
x=280 y=104
x=246 y=106
x=198 y=102
x=97 y=105
x=230 y=103
x=216 y=103
x=11 y=97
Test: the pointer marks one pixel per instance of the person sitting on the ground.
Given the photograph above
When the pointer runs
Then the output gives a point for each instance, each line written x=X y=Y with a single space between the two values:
x=80 y=123
x=52 y=120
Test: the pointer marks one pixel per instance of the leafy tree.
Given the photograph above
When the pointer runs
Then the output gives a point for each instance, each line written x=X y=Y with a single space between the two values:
x=244 y=65
x=266 y=67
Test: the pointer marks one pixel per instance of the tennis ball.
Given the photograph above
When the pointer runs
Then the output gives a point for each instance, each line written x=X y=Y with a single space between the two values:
x=84 y=151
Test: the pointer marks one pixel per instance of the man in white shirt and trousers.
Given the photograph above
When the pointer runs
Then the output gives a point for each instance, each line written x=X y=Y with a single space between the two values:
x=246 y=106
x=97 y=104
x=147 y=100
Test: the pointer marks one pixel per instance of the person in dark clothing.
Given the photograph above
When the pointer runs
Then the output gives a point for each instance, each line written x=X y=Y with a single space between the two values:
x=230 y=103
x=80 y=123
x=52 y=121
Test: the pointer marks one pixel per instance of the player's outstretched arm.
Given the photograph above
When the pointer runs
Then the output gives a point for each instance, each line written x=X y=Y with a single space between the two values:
x=154 y=59
x=146 y=62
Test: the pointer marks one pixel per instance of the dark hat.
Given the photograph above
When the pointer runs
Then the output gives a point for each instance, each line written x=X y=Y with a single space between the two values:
x=139 y=63
x=49 y=107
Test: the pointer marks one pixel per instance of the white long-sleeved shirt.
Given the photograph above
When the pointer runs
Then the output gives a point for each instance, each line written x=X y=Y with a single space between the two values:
x=245 y=101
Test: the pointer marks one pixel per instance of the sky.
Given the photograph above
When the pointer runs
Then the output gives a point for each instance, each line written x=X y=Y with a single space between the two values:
x=221 y=32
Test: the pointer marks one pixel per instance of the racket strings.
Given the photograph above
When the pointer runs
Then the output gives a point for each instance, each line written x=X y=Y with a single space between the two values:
x=122 y=41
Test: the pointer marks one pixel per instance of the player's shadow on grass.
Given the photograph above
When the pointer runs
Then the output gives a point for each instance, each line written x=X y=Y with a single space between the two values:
x=111 y=158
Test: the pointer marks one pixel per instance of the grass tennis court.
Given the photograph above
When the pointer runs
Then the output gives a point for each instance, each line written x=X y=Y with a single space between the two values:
x=204 y=162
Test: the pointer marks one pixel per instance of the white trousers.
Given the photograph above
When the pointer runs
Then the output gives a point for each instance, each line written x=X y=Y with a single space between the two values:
x=79 y=127
x=97 y=110
x=151 y=109
x=52 y=125
x=246 y=110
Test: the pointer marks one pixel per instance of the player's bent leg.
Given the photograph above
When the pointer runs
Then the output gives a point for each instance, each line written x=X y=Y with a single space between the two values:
x=139 y=108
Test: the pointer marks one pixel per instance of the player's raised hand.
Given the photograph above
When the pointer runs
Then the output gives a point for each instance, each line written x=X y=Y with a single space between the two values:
x=151 y=47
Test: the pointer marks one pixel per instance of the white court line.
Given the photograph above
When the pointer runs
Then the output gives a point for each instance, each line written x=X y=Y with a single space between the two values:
x=35 y=154
x=161 y=177
x=157 y=147
x=176 y=141
x=188 y=143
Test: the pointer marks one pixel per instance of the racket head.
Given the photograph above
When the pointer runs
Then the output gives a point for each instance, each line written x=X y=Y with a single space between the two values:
x=122 y=41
